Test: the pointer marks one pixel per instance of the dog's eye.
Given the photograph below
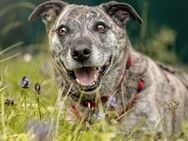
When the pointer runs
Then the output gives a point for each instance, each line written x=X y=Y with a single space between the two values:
x=62 y=31
x=101 y=28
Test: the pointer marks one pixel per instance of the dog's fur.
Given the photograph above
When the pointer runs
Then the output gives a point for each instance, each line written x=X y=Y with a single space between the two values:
x=165 y=90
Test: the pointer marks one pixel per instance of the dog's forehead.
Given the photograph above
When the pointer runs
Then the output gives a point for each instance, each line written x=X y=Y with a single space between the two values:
x=81 y=14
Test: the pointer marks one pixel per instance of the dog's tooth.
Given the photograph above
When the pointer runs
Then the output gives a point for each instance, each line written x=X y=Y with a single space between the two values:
x=77 y=80
x=95 y=77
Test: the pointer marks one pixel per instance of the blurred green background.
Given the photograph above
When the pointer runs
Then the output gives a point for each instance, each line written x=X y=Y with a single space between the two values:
x=163 y=35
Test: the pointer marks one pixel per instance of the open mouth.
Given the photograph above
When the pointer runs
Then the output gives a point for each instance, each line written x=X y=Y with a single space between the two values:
x=89 y=78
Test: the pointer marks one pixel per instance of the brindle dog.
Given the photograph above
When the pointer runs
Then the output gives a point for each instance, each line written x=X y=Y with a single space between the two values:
x=96 y=64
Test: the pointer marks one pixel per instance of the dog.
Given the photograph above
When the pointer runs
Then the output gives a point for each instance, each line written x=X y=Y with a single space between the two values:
x=96 y=66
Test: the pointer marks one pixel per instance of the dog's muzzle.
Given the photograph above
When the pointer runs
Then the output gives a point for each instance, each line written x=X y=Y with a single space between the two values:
x=89 y=78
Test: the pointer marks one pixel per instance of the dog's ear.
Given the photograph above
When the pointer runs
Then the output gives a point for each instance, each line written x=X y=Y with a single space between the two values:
x=49 y=11
x=121 y=12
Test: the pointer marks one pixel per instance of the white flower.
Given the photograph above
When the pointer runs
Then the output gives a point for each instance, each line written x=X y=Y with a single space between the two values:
x=27 y=57
x=99 y=115
x=112 y=101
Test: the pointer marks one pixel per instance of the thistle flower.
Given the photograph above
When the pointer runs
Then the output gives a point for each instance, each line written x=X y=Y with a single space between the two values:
x=9 y=102
x=37 y=88
x=24 y=82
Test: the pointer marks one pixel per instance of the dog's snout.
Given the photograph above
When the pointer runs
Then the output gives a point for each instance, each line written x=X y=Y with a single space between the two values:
x=81 y=51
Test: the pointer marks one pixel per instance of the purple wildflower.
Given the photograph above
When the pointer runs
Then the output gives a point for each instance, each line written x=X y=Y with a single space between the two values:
x=37 y=88
x=112 y=101
x=99 y=116
x=24 y=82
x=9 y=102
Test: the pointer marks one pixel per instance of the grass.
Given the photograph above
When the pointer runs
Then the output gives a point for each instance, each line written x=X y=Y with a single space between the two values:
x=28 y=111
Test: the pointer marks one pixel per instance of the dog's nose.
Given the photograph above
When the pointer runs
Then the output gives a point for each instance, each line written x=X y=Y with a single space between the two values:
x=81 y=53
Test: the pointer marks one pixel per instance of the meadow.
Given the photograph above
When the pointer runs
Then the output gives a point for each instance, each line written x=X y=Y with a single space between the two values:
x=28 y=105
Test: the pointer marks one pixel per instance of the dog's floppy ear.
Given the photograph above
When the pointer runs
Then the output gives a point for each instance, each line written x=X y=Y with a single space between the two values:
x=121 y=12
x=49 y=11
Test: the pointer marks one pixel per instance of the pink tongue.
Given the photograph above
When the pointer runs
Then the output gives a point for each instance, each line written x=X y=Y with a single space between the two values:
x=86 y=75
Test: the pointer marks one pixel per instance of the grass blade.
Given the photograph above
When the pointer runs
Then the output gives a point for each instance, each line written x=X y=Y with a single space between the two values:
x=11 y=47
x=9 y=58
x=11 y=7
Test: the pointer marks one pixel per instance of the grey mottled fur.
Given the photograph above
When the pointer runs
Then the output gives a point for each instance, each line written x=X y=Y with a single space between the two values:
x=163 y=86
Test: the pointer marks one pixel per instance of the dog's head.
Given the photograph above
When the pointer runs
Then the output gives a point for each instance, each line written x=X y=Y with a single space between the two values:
x=85 y=40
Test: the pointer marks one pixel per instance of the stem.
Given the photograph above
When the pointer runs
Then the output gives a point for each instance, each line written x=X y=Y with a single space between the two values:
x=38 y=102
x=2 y=114
x=161 y=119
x=57 y=124
x=59 y=113
x=145 y=18
x=25 y=103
